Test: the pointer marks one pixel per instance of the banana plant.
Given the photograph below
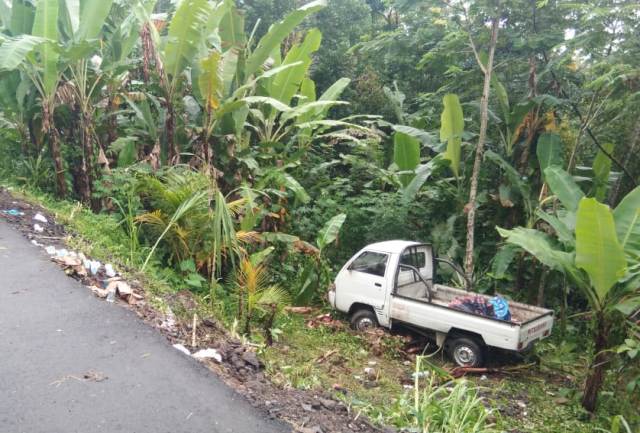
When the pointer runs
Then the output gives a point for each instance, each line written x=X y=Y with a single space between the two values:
x=53 y=51
x=317 y=273
x=598 y=250
x=36 y=56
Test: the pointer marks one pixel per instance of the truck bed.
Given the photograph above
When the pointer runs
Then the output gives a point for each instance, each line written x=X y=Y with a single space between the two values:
x=528 y=323
x=443 y=295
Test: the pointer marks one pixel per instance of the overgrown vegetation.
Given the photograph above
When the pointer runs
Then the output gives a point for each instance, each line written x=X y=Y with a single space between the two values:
x=244 y=150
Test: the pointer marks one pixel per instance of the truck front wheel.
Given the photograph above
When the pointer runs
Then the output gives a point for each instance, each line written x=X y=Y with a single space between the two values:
x=466 y=352
x=363 y=320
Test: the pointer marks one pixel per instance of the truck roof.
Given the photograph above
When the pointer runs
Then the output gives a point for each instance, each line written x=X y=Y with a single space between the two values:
x=395 y=246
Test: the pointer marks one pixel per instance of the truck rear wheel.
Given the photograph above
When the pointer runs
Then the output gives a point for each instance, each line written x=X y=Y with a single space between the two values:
x=466 y=352
x=363 y=320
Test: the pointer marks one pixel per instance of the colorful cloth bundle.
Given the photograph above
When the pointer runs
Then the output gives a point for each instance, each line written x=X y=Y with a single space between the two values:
x=496 y=307
x=500 y=308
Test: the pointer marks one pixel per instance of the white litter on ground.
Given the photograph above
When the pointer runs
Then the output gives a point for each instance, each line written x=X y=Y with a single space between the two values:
x=208 y=353
x=40 y=217
x=182 y=349
x=38 y=228
x=94 y=267
x=108 y=269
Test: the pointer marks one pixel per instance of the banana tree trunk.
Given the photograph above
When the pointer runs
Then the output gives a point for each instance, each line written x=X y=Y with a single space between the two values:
x=50 y=131
x=597 y=369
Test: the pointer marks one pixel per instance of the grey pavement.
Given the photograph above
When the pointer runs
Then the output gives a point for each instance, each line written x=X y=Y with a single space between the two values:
x=53 y=331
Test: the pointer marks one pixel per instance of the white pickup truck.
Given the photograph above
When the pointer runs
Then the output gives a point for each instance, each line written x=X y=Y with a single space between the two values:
x=393 y=282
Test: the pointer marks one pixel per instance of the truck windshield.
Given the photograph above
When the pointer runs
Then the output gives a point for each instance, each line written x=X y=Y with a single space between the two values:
x=370 y=263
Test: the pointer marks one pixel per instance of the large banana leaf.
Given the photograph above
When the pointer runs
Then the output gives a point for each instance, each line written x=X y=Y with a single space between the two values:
x=210 y=81
x=45 y=25
x=277 y=33
x=308 y=90
x=329 y=232
x=229 y=69
x=185 y=34
x=539 y=245
x=425 y=137
x=406 y=155
x=267 y=100
x=564 y=233
x=286 y=84
x=14 y=51
x=598 y=251
x=22 y=15
x=304 y=109
x=549 y=151
x=331 y=94
x=93 y=14
x=218 y=12
x=627 y=218
x=564 y=187
x=73 y=10
x=423 y=172
x=231 y=29
x=451 y=128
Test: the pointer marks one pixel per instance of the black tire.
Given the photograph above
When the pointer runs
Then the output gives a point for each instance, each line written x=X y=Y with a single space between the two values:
x=466 y=352
x=363 y=320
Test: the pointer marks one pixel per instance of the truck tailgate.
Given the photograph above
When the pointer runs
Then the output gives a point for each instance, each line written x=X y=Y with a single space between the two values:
x=535 y=329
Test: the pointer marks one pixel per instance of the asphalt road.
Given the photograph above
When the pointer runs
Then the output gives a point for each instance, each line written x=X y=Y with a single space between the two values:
x=53 y=332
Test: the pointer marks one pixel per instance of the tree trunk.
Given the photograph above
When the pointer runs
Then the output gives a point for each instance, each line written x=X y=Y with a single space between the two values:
x=484 y=118
x=541 y=286
x=87 y=159
x=268 y=335
x=597 y=369
x=170 y=126
x=50 y=131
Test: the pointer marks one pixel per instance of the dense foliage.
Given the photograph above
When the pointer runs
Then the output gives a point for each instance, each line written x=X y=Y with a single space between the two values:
x=248 y=148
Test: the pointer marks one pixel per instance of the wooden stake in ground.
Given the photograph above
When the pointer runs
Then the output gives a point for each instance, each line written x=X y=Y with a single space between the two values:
x=193 y=333
x=484 y=119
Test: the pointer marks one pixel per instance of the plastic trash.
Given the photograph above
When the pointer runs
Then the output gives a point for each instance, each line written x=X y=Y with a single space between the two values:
x=500 y=308
x=208 y=353
x=40 y=217
x=51 y=250
x=111 y=296
x=13 y=212
x=62 y=252
x=38 y=228
x=36 y=243
x=94 y=267
x=182 y=349
x=108 y=269
x=86 y=263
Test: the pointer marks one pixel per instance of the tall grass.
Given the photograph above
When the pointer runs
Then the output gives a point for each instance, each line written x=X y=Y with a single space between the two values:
x=454 y=407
